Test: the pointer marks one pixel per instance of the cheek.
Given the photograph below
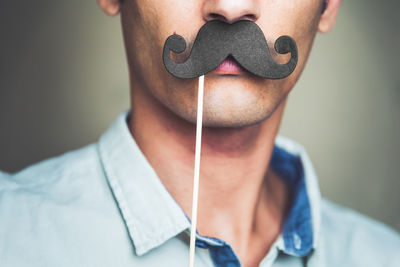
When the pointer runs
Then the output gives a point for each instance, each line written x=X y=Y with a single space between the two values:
x=304 y=24
x=148 y=23
x=298 y=19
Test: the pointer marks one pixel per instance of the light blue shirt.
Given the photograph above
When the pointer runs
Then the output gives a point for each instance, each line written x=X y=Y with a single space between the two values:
x=103 y=205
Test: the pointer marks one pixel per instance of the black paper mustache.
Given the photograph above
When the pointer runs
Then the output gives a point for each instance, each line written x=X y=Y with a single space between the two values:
x=243 y=40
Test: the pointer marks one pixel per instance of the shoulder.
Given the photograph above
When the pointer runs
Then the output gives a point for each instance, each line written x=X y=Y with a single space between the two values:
x=350 y=237
x=52 y=206
x=51 y=182
x=51 y=171
x=55 y=211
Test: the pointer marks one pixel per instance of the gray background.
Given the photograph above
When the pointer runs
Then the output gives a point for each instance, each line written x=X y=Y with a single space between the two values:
x=63 y=79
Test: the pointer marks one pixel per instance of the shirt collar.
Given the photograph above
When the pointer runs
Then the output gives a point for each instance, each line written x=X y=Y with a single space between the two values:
x=152 y=216
x=300 y=231
x=150 y=213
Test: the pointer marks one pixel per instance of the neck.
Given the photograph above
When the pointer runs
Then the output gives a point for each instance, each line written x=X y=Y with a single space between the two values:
x=237 y=189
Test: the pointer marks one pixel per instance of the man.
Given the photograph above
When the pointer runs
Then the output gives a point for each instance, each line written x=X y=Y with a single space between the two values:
x=125 y=200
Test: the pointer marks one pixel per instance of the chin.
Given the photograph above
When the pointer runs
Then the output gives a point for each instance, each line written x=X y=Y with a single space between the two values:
x=235 y=118
x=226 y=115
x=230 y=104
x=237 y=106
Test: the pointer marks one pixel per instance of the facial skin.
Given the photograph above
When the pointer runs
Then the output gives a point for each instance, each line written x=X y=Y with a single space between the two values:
x=229 y=100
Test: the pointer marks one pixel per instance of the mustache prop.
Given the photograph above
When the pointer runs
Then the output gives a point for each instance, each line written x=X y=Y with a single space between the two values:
x=243 y=40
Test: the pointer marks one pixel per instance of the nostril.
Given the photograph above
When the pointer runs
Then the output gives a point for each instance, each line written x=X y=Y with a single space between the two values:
x=215 y=16
x=250 y=17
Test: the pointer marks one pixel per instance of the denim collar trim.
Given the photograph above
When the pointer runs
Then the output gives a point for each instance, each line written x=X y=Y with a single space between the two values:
x=301 y=227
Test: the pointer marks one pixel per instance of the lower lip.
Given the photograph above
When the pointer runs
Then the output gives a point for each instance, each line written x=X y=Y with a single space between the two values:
x=229 y=66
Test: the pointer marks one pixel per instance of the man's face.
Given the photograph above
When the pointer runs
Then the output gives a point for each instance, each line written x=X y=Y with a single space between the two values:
x=230 y=99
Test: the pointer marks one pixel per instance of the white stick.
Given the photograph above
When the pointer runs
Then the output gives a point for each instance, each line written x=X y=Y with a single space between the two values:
x=199 y=125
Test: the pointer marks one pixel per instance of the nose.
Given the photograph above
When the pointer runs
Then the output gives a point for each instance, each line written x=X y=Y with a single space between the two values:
x=231 y=10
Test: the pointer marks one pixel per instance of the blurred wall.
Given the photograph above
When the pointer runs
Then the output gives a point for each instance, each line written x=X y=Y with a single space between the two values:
x=63 y=79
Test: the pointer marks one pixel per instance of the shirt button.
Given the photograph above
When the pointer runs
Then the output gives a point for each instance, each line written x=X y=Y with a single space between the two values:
x=297 y=241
